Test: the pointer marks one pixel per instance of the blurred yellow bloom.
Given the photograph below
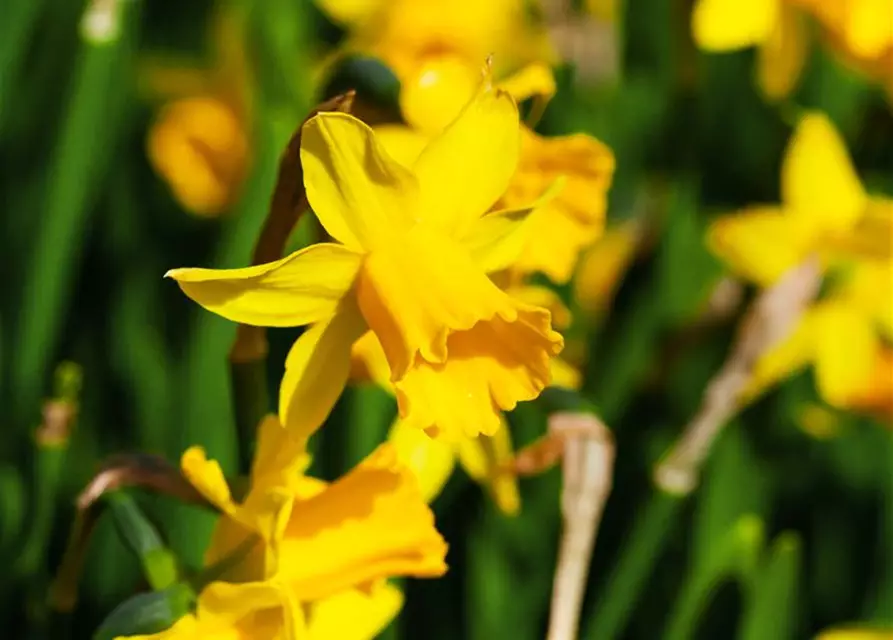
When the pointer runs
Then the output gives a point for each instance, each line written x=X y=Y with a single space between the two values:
x=435 y=47
x=305 y=559
x=855 y=633
x=825 y=211
x=198 y=142
x=414 y=250
x=604 y=265
x=861 y=31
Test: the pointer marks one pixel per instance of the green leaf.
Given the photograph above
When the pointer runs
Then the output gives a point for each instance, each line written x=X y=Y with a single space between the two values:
x=147 y=613
x=771 y=610
x=140 y=536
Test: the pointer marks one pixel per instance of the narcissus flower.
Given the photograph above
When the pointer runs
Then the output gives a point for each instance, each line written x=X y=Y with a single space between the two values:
x=306 y=559
x=825 y=211
x=411 y=263
x=861 y=31
x=435 y=48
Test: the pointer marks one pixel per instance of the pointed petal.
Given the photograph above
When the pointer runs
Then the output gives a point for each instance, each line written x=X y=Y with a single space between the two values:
x=535 y=79
x=725 y=25
x=496 y=240
x=491 y=367
x=431 y=460
x=253 y=609
x=355 y=615
x=783 y=55
x=356 y=189
x=484 y=459
x=369 y=362
x=818 y=182
x=368 y=525
x=401 y=142
x=760 y=244
x=296 y=290
x=207 y=477
x=316 y=370
x=464 y=170
x=846 y=352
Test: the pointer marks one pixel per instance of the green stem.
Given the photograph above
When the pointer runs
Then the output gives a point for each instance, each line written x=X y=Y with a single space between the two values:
x=19 y=18
x=642 y=550
x=79 y=163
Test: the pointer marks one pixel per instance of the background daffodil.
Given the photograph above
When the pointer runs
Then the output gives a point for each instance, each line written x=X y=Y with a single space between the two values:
x=825 y=211
x=414 y=250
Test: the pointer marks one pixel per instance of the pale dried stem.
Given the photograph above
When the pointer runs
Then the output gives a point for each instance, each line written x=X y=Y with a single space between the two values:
x=771 y=318
x=588 y=463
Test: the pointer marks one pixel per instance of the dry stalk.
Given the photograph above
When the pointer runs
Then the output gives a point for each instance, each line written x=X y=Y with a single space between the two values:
x=587 y=466
x=771 y=318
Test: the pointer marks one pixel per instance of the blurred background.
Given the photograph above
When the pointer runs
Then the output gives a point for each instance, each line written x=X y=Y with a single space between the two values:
x=141 y=135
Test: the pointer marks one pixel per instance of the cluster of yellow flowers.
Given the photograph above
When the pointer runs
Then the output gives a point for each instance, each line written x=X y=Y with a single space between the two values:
x=436 y=226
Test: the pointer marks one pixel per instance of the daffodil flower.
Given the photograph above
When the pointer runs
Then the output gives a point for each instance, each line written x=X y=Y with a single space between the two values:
x=824 y=211
x=198 y=142
x=306 y=559
x=414 y=249
x=861 y=31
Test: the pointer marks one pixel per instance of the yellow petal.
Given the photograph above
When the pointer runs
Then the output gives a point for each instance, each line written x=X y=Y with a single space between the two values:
x=436 y=91
x=465 y=169
x=414 y=293
x=855 y=633
x=279 y=456
x=296 y=290
x=401 y=142
x=574 y=219
x=818 y=182
x=370 y=524
x=431 y=460
x=869 y=30
x=869 y=288
x=871 y=238
x=604 y=265
x=354 y=614
x=760 y=244
x=254 y=609
x=784 y=359
x=369 y=362
x=783 y=54
x=356 y=189
x=491 y=367
x=876 y=397
x=724 y=25
x=540 y=296
x=496 y=240
x=207 y=477
x=564 y=374
x=535 y=79
x=316 y=370
x=484 y=459
x=846 y=351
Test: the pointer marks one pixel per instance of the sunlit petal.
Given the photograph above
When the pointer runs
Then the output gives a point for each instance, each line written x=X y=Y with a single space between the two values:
x=367 y=525
x=356 y=189
x=354 y=614
x=724 y=25
x=296 y=290
x=430 y=459
x=491 y=367
x=316 y=370
x=783 y=54
x=818 y=182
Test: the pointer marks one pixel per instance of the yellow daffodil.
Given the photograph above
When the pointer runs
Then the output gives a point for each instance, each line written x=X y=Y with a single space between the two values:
x=604 y=265
x=435 y=48
x=859 y=30
x=198 y=141
x=413 y=251
x=306 y=559
x=825 y=211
